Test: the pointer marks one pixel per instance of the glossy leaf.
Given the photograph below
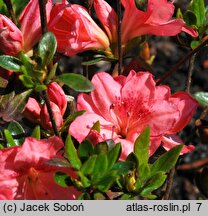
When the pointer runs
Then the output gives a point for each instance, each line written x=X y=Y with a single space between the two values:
x=92 y=62
x=84 y=180
x=9 y=138
x=36 y=132
x=96 y=126
x=16 y=106
x=123 y=168
x=198 y=8
x=166 y=161
x=26 y=80
x=58 y=162
x=153 y=183
x=113 y=155
x=101 y=148
x=71 y=153
x=106 y=181
x=100 y=167
x=88 y=166
x=85 y=149
x=62 y=179
x=47 y=48
x=202 y=98
x=10 y=63
x=17 y=132
x=141 y=147
x=190 y=18
x=75 y=81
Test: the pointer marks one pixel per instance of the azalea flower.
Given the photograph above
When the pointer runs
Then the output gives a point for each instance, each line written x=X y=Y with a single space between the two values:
x=157 y=20
x=10 y=36
x=75 y=30
x=25 y=174
x=125 y=106
x=37 y=113
x=30 y=23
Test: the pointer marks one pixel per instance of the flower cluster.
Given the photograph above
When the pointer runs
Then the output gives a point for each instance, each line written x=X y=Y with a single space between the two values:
x=123 y=106
x=76 y=31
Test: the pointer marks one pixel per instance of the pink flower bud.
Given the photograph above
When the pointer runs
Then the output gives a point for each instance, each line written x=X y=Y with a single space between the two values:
x=32 y=110
x=108 y=18
x=45 y=118
x=57 y=96
x=10 y=36
x=75 y=30
x=31 y=24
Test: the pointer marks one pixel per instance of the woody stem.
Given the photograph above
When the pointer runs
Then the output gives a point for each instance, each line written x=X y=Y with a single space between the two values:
x=11 y=11
x=181 y=62
x=42 y=6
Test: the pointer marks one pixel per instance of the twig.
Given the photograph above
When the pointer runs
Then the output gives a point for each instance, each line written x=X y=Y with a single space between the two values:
x=43 y=18
x=50 y=112
x=119 y=38
x=11 y=11
x=190 y=72
x=42 y=6
x=181 y=62
x=169 y=184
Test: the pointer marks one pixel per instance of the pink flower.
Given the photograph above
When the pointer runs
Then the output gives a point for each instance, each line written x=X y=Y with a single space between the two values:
x=75 y=30
x=157 y=20
x=125 y=106
x=108 y=19
x=39 y=114
x=10 y=36
x=25 y=174
x=30 y=23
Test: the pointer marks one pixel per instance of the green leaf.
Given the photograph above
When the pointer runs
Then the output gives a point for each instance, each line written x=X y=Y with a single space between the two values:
x=141 y=147
x=71 y=153
x=92 y=62
x=166 y=161
x=100 y=167
x=84 y=180
x=51 y=74
x=113 y=155
x=75 y=81
x=96 y=126
x=58 y=162
x=16 y=106
x=88 y=166
x=84 y=196
x=26 y=80
x=9 y=138
x=62 y=179
x=153 y=183
x=4 y=102
x=123 y=168
x=98 y=196
x=141 y=4
x=144 y=171
x=36 y=132
x=10 y=63
x=202 y=98
x=47 y=48
x=106 y=181
x=198 y=8
x=101 y=148
x=17 y=132
x=27 y=62
x=133 y=158
x=40 y=88
x=190 y=18
x=85 y=150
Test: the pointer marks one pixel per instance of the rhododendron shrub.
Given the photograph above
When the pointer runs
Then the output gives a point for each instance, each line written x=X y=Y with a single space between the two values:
x=92 y=134
x=125 y=106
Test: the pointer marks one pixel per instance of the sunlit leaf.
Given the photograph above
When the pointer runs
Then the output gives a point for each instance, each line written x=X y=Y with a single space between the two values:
x=75 y=81
x=10 y=63
x=62 y=179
